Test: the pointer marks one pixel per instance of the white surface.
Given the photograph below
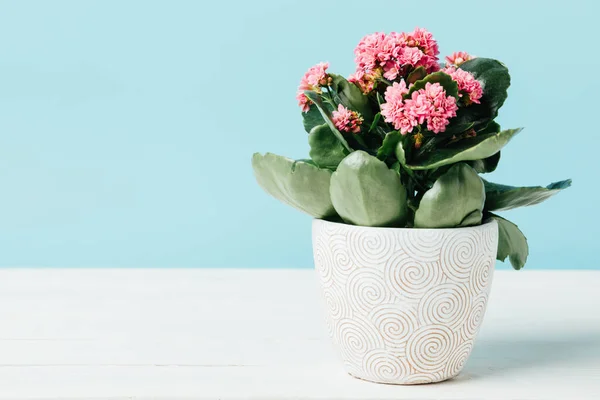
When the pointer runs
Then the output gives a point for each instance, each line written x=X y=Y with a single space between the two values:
x=208 y=334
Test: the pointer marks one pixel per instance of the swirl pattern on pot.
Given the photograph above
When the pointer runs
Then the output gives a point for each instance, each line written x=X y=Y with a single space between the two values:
x=404 y=306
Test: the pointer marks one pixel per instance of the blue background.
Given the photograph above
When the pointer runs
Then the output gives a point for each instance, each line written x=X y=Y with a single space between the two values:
x=127 y=127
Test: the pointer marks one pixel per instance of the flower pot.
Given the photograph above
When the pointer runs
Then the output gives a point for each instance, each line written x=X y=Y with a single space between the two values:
x=403 y=306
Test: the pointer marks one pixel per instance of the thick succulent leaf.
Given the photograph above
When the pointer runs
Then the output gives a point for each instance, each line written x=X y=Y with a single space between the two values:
x=504 y=197
x=365 y=192
x=390 y=142
x=445 y=80
x=476 y=148
x=300 y=184
x=312 y=118
x=511 y=243
x=495 y=80
x=351 y=96
x=455 y=199
x=486 y=165
x=326 y=114
x=417 y=74
x=325 y=148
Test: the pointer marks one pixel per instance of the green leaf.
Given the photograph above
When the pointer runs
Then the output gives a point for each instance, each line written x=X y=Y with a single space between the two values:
x=401 y=150
x=417 y=74
x=495 y=80
x=300 y=184
x=456 y=199
x=312 y=118
x=511 y=243
x=375 y=121
x=365 y=192
x=351 y=96
x=390 y=142
x=504 y=197
x=326 y=114
x=486 y=165
x=325 y=148
x=445 y=80
x=476 y=148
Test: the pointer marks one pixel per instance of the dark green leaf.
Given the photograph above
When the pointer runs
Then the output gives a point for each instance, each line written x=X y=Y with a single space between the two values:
x=495 y=80
x=486 y=165
x=375 y=122
x=365 y=192
x=326 y=114
x=299 y=184
x=476 y=148
x=442 y=78
x=418 y=74
x=503 y=197
x=511 y=243
x=351 y=96
x=312 y=118
x=456 y=199
x=325 y=148
x=390 y=142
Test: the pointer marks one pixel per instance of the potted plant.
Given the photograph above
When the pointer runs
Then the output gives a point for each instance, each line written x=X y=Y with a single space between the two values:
x=405 y=234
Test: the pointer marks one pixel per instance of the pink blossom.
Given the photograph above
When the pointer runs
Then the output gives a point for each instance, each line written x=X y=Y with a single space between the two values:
x=303 y=101
x=430 y=105
x=313 y=79
x=426 y=42
x=347 y=120
x=393 y=55
x=366 y=82
x=458 y=57
x=467 y=84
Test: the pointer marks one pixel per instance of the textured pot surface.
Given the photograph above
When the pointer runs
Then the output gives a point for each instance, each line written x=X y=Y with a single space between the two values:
x=404 y=306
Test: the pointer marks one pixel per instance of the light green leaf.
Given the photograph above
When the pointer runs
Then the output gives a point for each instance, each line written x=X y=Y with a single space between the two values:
x=299 y=184
x=456 y=199
x=325 y=148
x=511 y=243
x=481 y=146
x=504 y=197
x=365 y=192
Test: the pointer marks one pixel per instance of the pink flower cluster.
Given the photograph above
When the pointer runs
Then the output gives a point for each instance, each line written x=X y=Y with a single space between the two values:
x=313 y=79
x=393 y=55
x=347 y=120
x=467 y=84
x=429 y=104
x=458 y=57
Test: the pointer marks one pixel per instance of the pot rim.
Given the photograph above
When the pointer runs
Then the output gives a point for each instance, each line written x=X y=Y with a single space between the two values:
x=485 y=224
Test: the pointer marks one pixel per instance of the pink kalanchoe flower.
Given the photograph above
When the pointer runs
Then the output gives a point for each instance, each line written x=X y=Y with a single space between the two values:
x=303 y=101
x=313 y=79
x=347 y=120
x=393 y=56
x=430 y=105
x=467 y=84
x=393 y=109
x=458 y=57
x=422 y=39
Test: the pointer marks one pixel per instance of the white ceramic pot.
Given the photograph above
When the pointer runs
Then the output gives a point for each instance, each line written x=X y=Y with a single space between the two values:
x=404 y=306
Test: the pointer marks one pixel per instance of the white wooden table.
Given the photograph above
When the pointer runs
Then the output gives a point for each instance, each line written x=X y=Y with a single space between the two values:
x=258 y=334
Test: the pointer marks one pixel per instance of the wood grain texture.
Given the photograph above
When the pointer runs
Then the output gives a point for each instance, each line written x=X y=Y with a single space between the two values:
x=259 y=334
